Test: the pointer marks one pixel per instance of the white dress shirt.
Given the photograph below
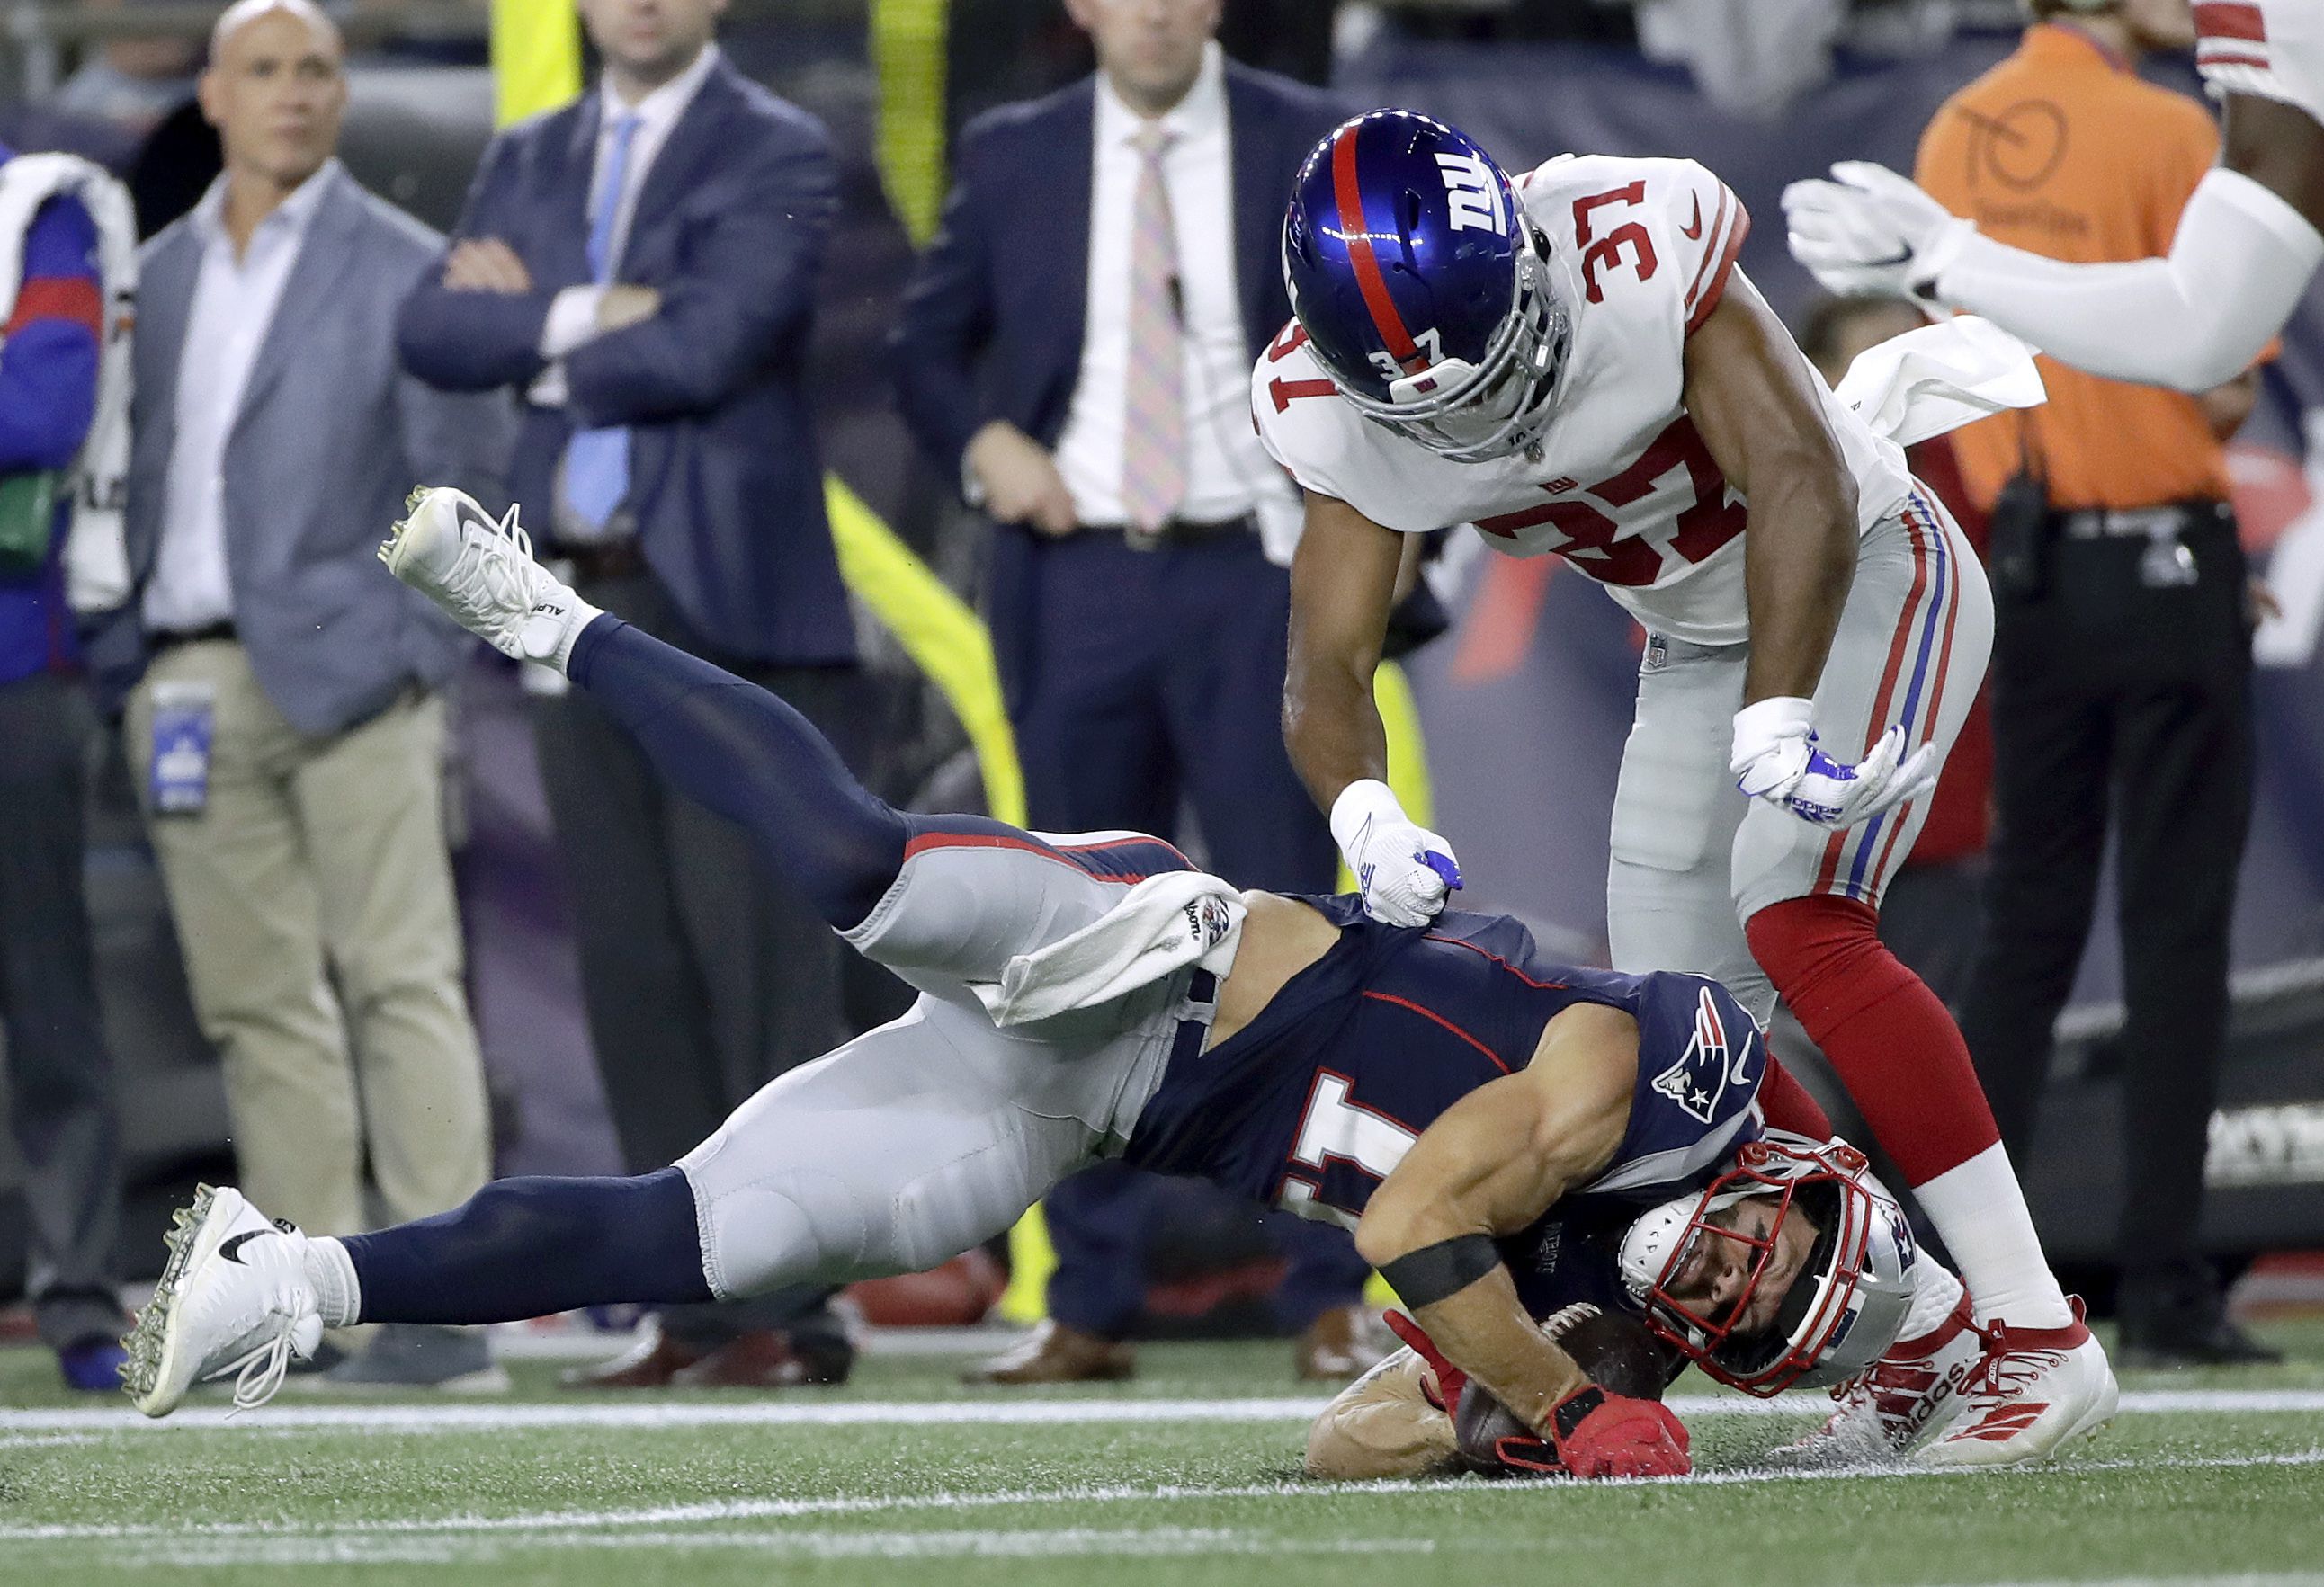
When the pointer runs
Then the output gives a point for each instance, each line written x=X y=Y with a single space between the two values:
x=1228 y=472
x=233 y=304
x=573 y=313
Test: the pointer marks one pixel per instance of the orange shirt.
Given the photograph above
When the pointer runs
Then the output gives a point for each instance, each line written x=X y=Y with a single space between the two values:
x=2062 y=150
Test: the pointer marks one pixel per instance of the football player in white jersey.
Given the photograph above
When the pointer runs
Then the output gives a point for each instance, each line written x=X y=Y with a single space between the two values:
x=1574 y=365
x=2246 y=244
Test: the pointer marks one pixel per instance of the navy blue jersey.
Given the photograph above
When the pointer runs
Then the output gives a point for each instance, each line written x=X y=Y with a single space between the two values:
x=1315 y=1102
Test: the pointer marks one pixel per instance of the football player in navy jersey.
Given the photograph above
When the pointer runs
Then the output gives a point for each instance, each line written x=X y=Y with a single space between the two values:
x=1502 y=1133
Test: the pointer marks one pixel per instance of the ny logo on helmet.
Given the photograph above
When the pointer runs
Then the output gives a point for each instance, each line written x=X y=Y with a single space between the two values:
x=1472 y=194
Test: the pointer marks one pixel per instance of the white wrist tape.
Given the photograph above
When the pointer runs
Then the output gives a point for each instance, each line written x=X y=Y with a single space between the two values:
x=1768 y=722
x=1361 y=801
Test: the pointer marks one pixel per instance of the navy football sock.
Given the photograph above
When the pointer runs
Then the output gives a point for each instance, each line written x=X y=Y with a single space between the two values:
x=737 y=749
x=528 y=1247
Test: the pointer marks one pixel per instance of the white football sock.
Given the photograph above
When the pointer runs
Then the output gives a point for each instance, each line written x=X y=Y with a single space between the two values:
x=1980 y=1212
x=552 y=645
x=338 y=1294
x=1935 y=1293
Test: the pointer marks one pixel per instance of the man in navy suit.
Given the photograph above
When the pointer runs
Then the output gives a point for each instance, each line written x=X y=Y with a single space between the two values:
x=641 y=265
x=1075 y=347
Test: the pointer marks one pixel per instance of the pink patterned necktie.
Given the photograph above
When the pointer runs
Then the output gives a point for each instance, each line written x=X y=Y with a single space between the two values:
x=1154 y=433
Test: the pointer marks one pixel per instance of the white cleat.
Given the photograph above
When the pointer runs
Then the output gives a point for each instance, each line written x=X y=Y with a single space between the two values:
x=484 y=575
x=1906 y=1395
x=2036 y=1390
x=234 y=1298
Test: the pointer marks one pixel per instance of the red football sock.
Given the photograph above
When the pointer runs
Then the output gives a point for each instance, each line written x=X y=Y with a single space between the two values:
x=1905 y=1063
x=1786 y=1105
x=1893 y=1044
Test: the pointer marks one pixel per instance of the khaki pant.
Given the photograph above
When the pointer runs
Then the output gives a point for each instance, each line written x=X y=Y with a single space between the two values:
x=314 y=906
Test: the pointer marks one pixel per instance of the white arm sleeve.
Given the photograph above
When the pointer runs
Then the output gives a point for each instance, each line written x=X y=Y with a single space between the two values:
x=572 y=320
x=2239 y=262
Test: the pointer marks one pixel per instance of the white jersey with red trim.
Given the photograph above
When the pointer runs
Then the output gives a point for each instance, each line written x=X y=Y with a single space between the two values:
x=1621 y=485
x=2274 y=48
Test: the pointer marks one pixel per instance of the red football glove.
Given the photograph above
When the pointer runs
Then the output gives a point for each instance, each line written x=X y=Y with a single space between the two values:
x=1449 y=1380
x=1602 y=1435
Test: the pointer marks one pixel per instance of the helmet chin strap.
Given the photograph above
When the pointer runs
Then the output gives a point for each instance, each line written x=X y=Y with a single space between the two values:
x=1446 y=374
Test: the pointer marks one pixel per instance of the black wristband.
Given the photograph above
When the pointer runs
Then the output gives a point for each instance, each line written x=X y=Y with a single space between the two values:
x=1574 y=1409
x=1422 y=1277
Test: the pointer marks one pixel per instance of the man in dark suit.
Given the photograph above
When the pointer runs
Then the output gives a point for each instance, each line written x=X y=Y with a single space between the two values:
x=641 y=264
x=1077 y=346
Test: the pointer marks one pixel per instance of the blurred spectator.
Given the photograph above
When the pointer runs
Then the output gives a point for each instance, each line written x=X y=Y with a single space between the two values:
x=1929 y=915
x=284 y=726
x=61 y=1074
x=127 y=88
x=131 y=83
x=1752 y=57
x=2122 y=652
x=641 y=265
x=1075 y=348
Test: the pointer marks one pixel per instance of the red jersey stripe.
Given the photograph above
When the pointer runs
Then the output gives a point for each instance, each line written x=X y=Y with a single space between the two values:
x=1432 y=1015
x=927 y=842
x=1718 y=236
x=65 y=298
x=2230 y=19
x=1497 y=958
x=1716 y=287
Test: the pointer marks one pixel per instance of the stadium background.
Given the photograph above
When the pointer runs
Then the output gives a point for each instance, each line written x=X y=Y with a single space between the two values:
x=1525 y=703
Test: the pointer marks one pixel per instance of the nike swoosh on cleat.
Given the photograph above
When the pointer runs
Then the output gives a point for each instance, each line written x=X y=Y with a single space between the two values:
x=1692 y=229
x=1902 y=256
x=227 y=1250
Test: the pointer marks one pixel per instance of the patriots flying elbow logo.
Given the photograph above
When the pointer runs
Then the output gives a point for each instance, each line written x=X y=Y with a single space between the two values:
x=1710 y=1064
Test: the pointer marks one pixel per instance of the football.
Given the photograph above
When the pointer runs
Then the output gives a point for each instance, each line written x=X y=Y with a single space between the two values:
x=1617 y=1352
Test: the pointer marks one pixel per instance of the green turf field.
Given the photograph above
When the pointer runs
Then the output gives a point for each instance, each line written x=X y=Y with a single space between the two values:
x=1188 y=1475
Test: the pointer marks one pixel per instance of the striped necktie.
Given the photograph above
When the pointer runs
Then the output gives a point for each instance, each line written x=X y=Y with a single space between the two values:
x=596 y=475
x=1154 y=430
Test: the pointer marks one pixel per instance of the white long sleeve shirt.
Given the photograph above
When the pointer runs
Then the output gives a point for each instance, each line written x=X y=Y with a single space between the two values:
x=573 y=312
x=233 y=304
x=1228 y=472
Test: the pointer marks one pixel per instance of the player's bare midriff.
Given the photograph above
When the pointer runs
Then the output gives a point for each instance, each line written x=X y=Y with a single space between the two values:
x=1282 y=936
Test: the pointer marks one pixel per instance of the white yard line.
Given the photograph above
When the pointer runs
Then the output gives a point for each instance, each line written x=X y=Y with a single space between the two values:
x=1063 y=1542
x=524 y=1341
x=713 y=1511
x=449 y=1416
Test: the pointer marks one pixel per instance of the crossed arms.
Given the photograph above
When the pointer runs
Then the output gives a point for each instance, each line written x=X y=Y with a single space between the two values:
x=683 y=344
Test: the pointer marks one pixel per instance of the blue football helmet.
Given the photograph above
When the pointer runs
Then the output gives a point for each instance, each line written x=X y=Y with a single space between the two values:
x=1424 y=287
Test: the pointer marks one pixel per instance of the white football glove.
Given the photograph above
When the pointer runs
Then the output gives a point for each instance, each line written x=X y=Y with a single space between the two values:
x=1402 y=870
x=1776 y=758
x=1870 y=230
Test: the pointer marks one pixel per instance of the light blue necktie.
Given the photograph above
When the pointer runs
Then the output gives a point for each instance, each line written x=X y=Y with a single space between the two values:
x=597 y=462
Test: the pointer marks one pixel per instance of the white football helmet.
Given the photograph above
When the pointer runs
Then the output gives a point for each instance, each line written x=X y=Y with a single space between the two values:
x=1844 y=1309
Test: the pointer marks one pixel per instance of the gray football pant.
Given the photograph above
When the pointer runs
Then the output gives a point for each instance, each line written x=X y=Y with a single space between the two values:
x=930 y=1135
x=1691 y=858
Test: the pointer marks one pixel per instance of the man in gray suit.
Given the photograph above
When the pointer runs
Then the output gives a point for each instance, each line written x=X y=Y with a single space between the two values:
x=285 y=728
